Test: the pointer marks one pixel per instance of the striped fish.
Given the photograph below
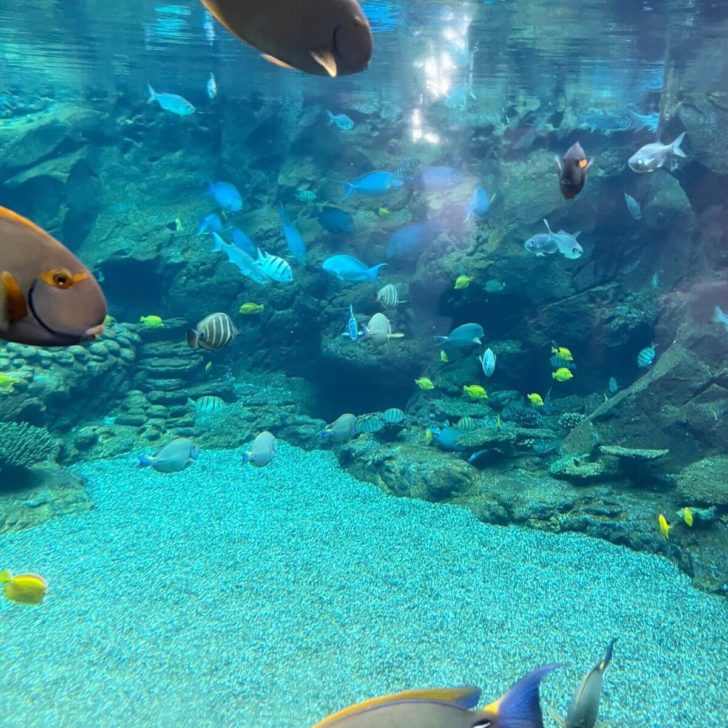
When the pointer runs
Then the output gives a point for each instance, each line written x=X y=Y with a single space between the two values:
x=368 y=424
x=388 y=296
x=393 y=416
x=275 y=268
x=467 y=424
x=207 y=405
x=213 y=332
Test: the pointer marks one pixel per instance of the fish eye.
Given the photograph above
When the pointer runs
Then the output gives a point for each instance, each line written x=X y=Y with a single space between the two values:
x=61 y=278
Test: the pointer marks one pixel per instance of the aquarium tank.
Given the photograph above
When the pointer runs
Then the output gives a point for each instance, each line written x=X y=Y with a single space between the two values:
x=364 y=364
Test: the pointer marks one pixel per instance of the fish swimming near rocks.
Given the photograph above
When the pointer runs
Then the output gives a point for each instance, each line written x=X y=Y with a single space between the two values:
x=320 y=37
x=171 y=102
x=151 y=321
x=584 y=707
x=262 y=450
x=211 y=87
x=352 y=327
x=207 y=405
x=226 y=196
x=293 y=237
x=388 y=296
x=275 y=268
x=410 y=240
x=653 y=156
x=344 y=122
x=487 y=362
x=478 y=205
x=335 y=221
x=48 y=297
x=172 y=458
x=342 y=429
x=379 y=330
x=519 y=707
x=646 y=356
x=240 y=259
x=210 y=224
x=633 y=206
x=572 y=171
x=349 y=269
x=463 y=336
x=24 y=588
x=368 y=424
x=393 y=416
x=566 y=243
x=373 y=184
x=212 y=332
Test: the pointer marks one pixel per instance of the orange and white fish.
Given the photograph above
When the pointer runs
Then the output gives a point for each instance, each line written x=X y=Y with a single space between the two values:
x=24 y=588
x=48 y=297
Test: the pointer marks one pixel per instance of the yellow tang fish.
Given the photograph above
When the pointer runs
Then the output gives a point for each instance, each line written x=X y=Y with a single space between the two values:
x=687 y=516
x=7 y=381
x=384 y=212
x=251 y=309
x=475 y=391
x=151 y=322
x=424 y=383
x=562 y=352
x=664 y=526
x=428 y=436
x=462 y=282
x=535 y=399
x=443 y=356
x=24 y=588
x=562 y=374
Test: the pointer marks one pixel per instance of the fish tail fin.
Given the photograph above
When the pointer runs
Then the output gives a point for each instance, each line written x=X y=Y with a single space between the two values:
x=5 y=576
x=348 y=189
x=193 y=338
x=469 y=214
x=145 y=461
x=217 y=242
x=608 y=654
x=719 y=315
x=440 y=340
x=520 y=706
x=555 y=716
x=247 y=457
x=152 y=94
x=374 y=271
x=676 y=149
x=331 y=117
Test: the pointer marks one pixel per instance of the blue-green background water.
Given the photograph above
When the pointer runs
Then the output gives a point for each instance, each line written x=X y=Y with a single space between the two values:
x=229 y=595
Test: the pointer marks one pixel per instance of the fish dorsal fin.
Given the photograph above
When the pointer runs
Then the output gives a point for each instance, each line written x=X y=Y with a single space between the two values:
x=12 y=298
x=325 y=58
x=466 y=698
x=548 y=227
x=277 y=61
x=556 y=717
x=10 y=215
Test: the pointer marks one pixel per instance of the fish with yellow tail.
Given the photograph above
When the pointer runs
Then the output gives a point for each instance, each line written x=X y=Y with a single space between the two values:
x=584 y=707
x=448 y=708
x=48 y=297
x=687 y=515
x=664 y=527
x=151 y=322
x=535 y=399
x=425 y=384
x=462 y=282
x=475 y=392
x=24 y=588
x=562 y=374
x=562 y=352
x=251 y=309
x=444 y=357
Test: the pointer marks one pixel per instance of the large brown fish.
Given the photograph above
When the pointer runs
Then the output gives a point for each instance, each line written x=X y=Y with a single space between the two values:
x=572 y=171
x=447 y=708
x=321 y=37
x=47 y=295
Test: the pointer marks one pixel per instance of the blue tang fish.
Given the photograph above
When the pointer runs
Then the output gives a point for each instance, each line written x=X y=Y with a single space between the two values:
x=171 y=102
x=448 y=708
x=372 y=184
x=409 y=241
x=335 y=221
x=441 y=177
x=447 y=438
x=351 y=269
x=462 y=336
x=240 y=259
x=293 y=237
x=210 y=224
x=242 y=240
x=226 y=195
x=344 y=122
x=478 y=205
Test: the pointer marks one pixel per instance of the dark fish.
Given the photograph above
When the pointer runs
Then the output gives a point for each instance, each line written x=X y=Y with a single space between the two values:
x=335 y=221
x=483 y=457
x=572 y=171
x=213 y=332
x=321 y=37
x=48 y=297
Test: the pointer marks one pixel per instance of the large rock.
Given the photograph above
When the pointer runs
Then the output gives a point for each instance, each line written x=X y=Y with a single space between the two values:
x=705 y=481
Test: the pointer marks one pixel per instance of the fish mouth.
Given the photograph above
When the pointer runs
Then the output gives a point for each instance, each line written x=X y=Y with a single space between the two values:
x=65 y=336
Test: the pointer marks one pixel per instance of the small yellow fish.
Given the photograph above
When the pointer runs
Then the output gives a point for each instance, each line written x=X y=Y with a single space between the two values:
x=664 y=526
x=425 y=384
x=251 y=309
x=443 y=356
x=535 y=399
x=562 y=352
x=462 y=282
x=7 y=381
x=384 y=212
x=208 y=367
x=428 y=436
x=151 y=322
x=475 y=391
x=562 y=374
x=687 y=516
x=24 y=588
x=498 y=422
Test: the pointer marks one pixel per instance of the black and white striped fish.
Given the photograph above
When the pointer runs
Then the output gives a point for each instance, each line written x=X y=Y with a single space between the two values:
x=388 y=296
x=277 y=269
x=213 y=332
x=207 y=405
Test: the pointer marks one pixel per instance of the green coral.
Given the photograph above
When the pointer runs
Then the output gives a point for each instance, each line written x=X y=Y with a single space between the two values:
x=579 y=468
x=22 y=445
x=632 y=453
x=705 y=482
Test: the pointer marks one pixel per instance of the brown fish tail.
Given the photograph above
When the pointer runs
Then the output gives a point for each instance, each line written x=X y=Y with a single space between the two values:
x=193 y=338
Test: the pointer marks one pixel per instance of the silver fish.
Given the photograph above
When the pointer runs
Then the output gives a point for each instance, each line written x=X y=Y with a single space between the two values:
x=653 y=156
x=173 y=457
x=633 y=206
x=275 y=268
x=240 y=259
x=379 y=330
x=213 y=332
x=211 y=87
x=487 y=362
x=262 y=450
x=388 y=296
x=341 y=430
x=171 y=102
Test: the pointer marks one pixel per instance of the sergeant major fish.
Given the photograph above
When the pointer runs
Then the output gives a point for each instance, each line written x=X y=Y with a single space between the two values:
x=320 y=37
x=275 y=268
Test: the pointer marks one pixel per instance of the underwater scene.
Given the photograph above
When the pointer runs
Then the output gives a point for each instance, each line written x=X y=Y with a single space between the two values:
x=364 y=364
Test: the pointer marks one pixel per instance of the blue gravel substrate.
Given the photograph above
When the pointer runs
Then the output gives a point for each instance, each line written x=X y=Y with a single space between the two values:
x=226 y=595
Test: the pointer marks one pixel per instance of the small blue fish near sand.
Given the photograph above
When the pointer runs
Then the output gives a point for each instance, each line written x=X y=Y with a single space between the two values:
x=293 y=237
x=646 y=356
x=275 y=268
x=172 y=458
x=243 y=241
x=240 y=259
x=487 y=362
x=463 y=336
x=633 y=206
x=210 y=224
x=351 y=270
x=409 y=241
x=262 y=450
x=335 y=221
x=441 y=177
x=171 y=102
x=226 y=196
x=478 y=205
x=344 y=122
x=352 y=327
x=373 y=184
x=720 y=317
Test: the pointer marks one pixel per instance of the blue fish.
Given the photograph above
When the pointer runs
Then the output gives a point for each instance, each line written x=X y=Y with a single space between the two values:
x=293 y=237
x=210 y=224
x=335 y=221
x=487 y=362
x=478 y=205
x=352 y=327
x=441 y=177
x=344 y=122
x=409 y=241
x=350 y=269
x=242 y=240
x=646 y=356
x=372 y=184
x=226 y=196
x=171 y=102
x=447 y=438
x=485 y=456
x=720 y=317
x=633 y=206
x=240 y=259
x=463 y=336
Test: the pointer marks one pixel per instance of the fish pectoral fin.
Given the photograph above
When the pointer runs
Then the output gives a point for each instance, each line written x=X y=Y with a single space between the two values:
x=325 y=58
x=556 y=717
x=277 y=61
x=12 y=298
